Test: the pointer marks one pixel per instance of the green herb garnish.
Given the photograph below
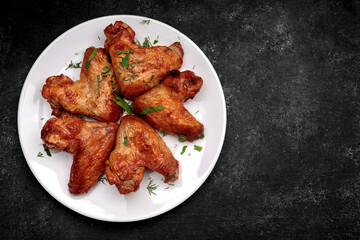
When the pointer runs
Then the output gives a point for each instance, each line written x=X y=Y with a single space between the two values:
x=126 y=51
x=73 y=65
x=182 y=138
x=202 y=136
x=158 y=85
x=145 y=22
x=106 y=70
x=152 y=187
x=103 y=180
x=40 y=154
x=152 y=109
x=156 y=41
x=147 y=42
x=47 y=150
x=119 y=101
x=198 y=148
x=126 y=141
x=183 y=150
x=125 y=62
x=92 y=55
x=98 y=80
x=152 y=77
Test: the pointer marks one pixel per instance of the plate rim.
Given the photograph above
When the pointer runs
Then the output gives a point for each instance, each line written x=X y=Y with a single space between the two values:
x=206 y=174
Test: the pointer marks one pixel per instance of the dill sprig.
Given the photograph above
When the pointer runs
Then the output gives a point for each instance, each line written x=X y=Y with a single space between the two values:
x=73 y=65
x=145 y=22
x=152 y=187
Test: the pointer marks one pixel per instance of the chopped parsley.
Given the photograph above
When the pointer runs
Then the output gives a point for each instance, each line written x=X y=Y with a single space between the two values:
x=125 y=62
x=152 y=109
x=202 y=136
x=182 y=138
x=126 y=141
x=183 y=150
x=158 y=85
x=106 y=70
x=152 y=187
x=73 y=65
x=92 y=55
x=126 y=51
x=198 y=148
x=40 y=154
x=119 y=101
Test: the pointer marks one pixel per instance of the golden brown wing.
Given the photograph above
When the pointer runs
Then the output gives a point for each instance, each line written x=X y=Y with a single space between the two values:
x=138 y=146
x=91 y=95
x=171 y=94
x=90 y=142
x=137 y=68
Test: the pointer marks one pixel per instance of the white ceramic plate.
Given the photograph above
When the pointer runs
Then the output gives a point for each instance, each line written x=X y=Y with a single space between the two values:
x=103 y=201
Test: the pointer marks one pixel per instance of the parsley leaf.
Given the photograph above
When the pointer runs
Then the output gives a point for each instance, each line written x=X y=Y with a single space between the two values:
x=125 y=62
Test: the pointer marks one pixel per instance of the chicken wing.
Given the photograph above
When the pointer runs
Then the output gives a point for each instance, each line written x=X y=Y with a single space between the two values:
x=137 y=68
x=138 y=146
x=174 y=118
x=91 y=95
x=90 y=142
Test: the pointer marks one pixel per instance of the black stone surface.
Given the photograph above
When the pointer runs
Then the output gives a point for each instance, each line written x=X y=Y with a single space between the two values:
x=290 y=165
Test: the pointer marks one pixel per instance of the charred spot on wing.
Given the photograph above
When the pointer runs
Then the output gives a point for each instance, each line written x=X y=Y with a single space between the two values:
x=174 y=73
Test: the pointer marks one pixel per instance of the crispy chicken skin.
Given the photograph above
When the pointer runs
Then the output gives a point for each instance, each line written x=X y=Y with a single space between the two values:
x=90 y=142
x=174 y=118
x=91 y=95
x=138 y=146
x=138 y=69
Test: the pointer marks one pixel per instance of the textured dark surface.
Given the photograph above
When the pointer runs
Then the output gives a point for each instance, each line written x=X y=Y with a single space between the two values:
x=290 y=165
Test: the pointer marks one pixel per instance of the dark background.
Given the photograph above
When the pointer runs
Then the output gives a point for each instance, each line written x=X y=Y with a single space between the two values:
x=290 y=165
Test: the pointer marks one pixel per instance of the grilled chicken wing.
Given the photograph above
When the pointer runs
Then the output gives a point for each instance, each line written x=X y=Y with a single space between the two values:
x=90 y=142
x=174 y=118
x=91 y=95
x=138 y=146
x=137 y=68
